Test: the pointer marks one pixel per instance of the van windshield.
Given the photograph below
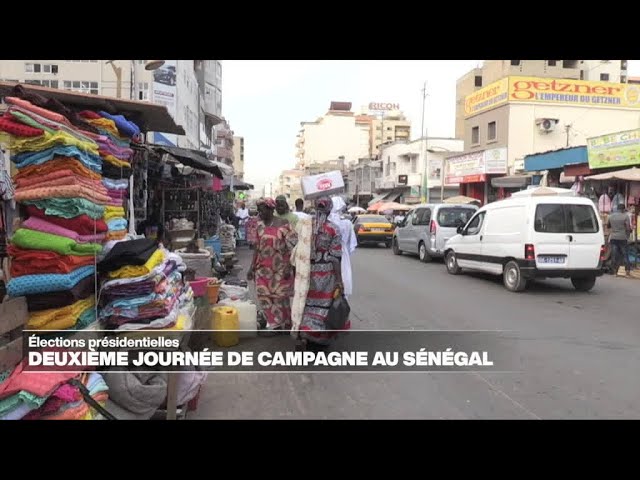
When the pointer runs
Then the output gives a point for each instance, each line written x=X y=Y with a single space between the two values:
x=449 y=217
x=565 y=218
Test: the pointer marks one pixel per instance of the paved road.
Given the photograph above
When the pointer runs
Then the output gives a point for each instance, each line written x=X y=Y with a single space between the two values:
x=579 y=353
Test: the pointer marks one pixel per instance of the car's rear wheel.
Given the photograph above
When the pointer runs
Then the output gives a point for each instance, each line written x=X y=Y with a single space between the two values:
x=583 y=284
x=512 y=277
x=423 y=253
x=452 y=263
x=396 y=249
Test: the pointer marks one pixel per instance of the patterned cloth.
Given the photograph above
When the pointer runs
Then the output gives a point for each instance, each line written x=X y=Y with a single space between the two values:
x=44 y=283
x=60 y=318
x=88 y=159
x=273 y=291
x=301 y=260
x=69 y=207
x=322 y=284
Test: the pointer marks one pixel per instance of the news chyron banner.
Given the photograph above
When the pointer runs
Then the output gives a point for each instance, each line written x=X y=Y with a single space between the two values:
x=231 y=351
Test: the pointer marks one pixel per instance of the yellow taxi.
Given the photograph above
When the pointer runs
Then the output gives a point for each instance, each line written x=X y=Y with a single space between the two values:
x=371 y=228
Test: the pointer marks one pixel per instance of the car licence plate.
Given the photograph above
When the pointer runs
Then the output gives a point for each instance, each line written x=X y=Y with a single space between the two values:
x=551 y=259
x=377 y=229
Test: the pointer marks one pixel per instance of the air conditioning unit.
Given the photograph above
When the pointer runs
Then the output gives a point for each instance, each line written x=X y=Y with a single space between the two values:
x=547 y=125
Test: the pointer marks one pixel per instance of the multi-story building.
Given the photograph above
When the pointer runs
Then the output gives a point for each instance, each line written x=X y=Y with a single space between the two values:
x=517 y=116
x=404 y=170
x=493 y=70
x=238 y=157
x=289 y=184
x=223 y=148
x=362 y=179
x=385 y=126
x=191 y=90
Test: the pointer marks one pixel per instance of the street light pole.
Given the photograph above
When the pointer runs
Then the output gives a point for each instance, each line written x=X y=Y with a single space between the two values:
x=424 y=148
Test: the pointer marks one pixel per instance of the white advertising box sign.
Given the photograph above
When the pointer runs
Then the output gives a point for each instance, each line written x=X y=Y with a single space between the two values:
x=330 y=183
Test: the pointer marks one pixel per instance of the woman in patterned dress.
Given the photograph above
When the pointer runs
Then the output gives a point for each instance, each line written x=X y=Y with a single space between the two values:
x=271 y=267
x=324 y=279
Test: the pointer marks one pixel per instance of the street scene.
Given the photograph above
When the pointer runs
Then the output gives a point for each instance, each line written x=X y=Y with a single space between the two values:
x=323 y=208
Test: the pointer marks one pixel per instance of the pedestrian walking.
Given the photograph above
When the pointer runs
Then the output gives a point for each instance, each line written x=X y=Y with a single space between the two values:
x=283 y=211
x=271 y=268
x=619 y=238
x=348 y=239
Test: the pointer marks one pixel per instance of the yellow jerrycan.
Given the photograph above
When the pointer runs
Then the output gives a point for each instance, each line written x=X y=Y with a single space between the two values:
x=225 y=318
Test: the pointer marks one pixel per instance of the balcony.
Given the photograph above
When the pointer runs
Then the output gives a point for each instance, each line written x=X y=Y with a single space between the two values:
x=223 y=152
x=224 y=133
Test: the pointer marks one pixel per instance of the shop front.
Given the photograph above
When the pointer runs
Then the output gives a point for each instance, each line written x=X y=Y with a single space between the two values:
x=474 y=171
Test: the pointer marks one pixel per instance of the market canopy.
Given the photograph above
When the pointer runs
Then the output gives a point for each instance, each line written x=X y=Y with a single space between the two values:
x=389 y=206
x=628 y=175
x=461 y=199
x=195 y=159
x=237 y=183
x=150 y=117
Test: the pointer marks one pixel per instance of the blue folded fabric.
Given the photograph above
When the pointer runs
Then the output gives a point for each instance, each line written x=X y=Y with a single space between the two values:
x=47 y=282
x=124 y=126
x=121 y=184
x=94 y=162
x=117 y=224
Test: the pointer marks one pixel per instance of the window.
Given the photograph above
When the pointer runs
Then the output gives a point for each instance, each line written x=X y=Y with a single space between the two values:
x=475 y=225
x=478 y=81
x=54 y=69
x=581 y=74
x=515 y=63
x=389 y=139
x=46 y=68
x=475 y=135
x=82 y=86
x=491 y=131
x=37 y=68
x=604 y=77
x=552 y=63
x=565 y=218
x=141 y=62
x=143 y=91
x=414 y=164
x=454 y=217
x=423 y=216
x=28 y=67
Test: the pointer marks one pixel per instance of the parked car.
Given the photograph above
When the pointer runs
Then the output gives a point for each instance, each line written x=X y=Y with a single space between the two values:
x=426 y=228
x=549 y=234
x=371 y=228
x=165 y=75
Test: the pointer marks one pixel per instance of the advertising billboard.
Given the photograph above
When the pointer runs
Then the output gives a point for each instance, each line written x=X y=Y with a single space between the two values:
x=164 y=89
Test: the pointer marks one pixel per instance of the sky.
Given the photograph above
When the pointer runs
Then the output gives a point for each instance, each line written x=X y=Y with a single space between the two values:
x=265 y=100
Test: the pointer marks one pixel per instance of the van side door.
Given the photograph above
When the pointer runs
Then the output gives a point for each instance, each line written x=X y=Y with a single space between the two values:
x=469 y=250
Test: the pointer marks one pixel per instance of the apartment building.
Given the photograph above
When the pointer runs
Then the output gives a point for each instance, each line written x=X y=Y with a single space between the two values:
x=289 y=184
x=493 y=70
x=238 y=157
x=223 y=147
x=362 y=179
x=343 y=133
x=190 y=89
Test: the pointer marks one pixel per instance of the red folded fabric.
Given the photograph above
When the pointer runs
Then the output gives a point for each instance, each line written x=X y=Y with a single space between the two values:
x=30 y=262
x=41 y=384
x=89 y=114
x=18 y=129
x=82 y=224
x=60 y=177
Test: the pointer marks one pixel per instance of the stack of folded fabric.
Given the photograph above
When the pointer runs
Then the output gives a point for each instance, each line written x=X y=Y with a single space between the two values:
x=143 y=288
x=28 y=395
x=59 y=183
x=114 y=149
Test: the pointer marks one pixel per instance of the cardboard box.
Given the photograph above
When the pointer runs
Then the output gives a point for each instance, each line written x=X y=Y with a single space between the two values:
x=330 y=183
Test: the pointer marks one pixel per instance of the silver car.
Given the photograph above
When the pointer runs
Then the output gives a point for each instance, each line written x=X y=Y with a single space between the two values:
x=427 y=227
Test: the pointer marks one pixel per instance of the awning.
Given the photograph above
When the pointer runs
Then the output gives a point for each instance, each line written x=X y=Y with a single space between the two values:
x=555 y=159
x=195 y=159
x=629 y=175
x=394 y=195
x=150 y=117
x=577 y=170
x=237 y=184
x=511 y=181
x=376 y=199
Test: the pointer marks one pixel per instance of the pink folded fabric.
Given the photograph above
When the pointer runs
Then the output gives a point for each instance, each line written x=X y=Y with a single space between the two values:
x=114 y=202
x=69 y=177
x=56 y=117
x=63 y=191
x=116 y=193
x=41 y=225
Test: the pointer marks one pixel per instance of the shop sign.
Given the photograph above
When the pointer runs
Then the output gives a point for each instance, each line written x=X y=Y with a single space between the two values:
x=403 y=179
x=384 y=106
x=614 y=150
x=470 y=164
x=495 y=161
x=487 y=98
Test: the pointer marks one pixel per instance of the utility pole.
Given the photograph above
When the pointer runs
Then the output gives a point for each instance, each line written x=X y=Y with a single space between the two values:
x=423 y=149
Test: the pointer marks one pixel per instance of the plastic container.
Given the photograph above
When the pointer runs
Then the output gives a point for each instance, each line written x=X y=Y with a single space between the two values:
x=225 y=318
x=213 y=290
x=199 y=286
x=247 y=316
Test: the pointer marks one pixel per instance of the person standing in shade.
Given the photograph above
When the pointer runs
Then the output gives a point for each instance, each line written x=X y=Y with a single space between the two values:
x=271 y=266
x=620 y=226
x=283 y=211
x=349 y=242
x=300 y=209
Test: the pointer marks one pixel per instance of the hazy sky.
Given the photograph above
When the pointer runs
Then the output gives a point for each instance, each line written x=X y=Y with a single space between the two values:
x=265 y=100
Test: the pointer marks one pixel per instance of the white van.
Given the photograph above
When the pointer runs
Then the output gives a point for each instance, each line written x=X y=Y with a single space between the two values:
x=537 y=233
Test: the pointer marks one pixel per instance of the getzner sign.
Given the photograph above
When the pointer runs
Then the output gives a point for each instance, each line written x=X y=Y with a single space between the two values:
x=384 y=106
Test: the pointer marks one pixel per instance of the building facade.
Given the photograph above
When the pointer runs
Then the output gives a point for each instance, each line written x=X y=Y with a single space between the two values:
x=238 y=157
x=190 y=89
x=492 y=70
x=223 y=148
x=289 y=184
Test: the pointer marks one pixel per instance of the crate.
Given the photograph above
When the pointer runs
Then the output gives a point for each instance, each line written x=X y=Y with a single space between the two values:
x=13 y=317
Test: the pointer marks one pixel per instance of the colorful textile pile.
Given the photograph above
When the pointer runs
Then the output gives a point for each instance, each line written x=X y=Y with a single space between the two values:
x=29 y=395
x=59 y=182
x=114 y=149
x=143 y=288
